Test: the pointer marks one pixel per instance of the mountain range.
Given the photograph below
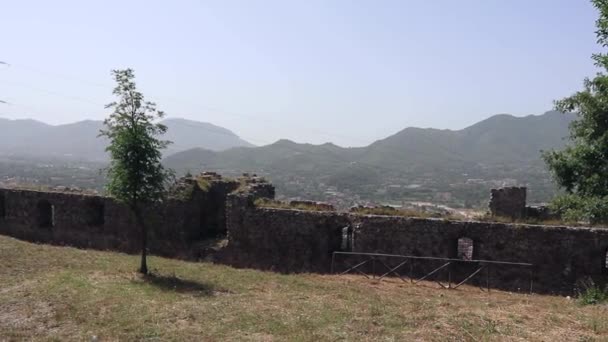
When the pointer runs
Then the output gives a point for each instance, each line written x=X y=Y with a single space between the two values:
x=503 y=139
x=453 y=166
x=414 y=163
x=80 y=140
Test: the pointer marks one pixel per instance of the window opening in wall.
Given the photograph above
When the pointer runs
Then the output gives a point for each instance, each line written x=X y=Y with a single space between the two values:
x=606 y=261
x=465 y=248
x=46 y=214
x=2 y=206
x=347 y=239
x=95 y=212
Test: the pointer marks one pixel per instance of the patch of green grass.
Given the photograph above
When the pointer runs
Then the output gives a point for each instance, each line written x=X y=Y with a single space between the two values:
x=593 y=294
x=49 y=188
x=245 y=181
x=203 y=184
x=61 y=293
x=184 y=191
x=548 y=222
x=390 y=211
x=268 y=203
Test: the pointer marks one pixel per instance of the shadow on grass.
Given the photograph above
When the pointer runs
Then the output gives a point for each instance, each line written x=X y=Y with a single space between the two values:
x=174 y=284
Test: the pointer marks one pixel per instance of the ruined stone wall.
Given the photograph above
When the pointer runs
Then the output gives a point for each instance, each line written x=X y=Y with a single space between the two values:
x=560 y=255
x=302 y=241
x=279 y=239
x=97 y=222
x=71 y=219
x=90 y=221
x=288 y=240
x=508 y=202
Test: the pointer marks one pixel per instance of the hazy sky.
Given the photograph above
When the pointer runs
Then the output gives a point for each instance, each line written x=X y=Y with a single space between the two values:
x=348 y=71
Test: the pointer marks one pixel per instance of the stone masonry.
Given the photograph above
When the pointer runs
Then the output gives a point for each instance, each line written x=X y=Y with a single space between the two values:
x=508 y=202
x=288 y=240
x=195 y=211
x=303 y=241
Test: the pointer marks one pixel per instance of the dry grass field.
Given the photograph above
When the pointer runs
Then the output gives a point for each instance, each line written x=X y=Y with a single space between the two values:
x=64 y=294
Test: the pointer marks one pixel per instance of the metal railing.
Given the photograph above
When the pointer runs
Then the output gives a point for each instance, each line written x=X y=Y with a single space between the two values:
x=376 y=262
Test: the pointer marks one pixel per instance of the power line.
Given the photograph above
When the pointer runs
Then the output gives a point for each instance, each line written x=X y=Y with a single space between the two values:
x=61 y=76
x=96 y=84
x=199 y=105
x=50 y=92
x=349 y=163
x=230 y=134
x=85 y=100
x=201 y=128
x=4 y=63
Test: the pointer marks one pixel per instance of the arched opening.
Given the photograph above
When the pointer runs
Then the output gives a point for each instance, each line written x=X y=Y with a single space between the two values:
x=465 y=248
x=95 y=212
x=46 y=214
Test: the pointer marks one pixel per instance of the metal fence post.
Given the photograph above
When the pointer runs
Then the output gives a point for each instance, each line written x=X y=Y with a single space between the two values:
x=373 y=268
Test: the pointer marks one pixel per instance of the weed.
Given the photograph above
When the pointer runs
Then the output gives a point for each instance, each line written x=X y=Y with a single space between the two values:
x=268 y=203
x=390 y=211
x=593 y=295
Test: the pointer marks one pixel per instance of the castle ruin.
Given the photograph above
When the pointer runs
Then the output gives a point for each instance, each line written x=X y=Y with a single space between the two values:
x=208 y=207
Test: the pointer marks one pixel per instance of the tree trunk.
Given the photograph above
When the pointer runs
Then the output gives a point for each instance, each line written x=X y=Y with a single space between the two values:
x=143 y=268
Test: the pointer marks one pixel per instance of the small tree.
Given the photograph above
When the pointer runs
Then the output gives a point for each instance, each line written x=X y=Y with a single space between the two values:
x=582 y=167
x=136 y=176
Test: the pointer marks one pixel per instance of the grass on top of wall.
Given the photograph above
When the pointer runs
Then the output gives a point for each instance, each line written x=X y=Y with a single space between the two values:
x=52 y=293
x=415 y=213
x=203 y=184
x=54 y=189
x=390 y=211
x=384 y=211
x=268 y=203
x=548 y=222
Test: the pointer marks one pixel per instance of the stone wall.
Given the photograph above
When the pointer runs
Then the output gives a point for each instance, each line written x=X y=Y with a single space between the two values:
x=288 y=240
x=190 y=215
x=560 y=255
x=98 y=222
x=303 y=241
x=508 y=202
x=280 y=239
